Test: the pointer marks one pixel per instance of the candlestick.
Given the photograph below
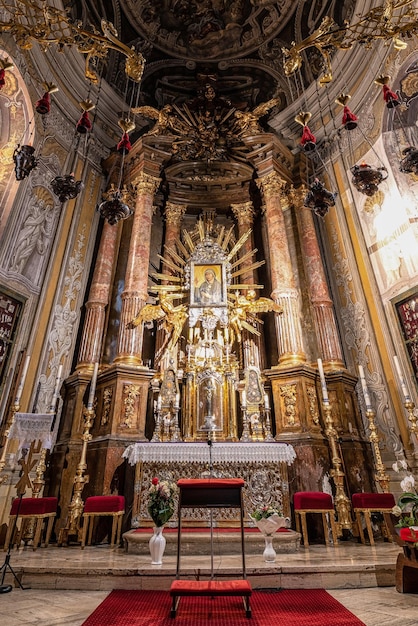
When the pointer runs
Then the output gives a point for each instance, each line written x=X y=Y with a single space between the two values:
x=159 y=403
x=402 y=380
x=366 y=395
x=55 y=394
x=22 y=380
x=244 y=398
x=93 y=387
x=323 y=383
x=266 y=401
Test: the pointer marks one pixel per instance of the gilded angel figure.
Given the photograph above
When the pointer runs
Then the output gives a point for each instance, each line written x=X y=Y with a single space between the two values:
x=246 y=307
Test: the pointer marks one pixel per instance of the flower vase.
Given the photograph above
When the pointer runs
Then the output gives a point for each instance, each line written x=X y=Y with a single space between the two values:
x=157 y=545
x=269 y=553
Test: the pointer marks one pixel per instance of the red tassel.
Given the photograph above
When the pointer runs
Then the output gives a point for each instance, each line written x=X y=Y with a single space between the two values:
x=308 y=140
x=84 y=123
x=124 y=144
x=43 y=106
x=2 y=78
x=390 y=97
x=349 y=119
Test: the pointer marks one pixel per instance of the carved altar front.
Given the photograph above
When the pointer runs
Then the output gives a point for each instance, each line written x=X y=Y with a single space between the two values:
x=263 y=466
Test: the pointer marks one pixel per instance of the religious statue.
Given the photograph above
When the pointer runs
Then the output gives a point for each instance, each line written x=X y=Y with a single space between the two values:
x=246 y=307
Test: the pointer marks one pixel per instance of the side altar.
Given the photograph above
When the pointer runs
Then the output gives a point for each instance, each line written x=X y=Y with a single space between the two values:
x=263 y=466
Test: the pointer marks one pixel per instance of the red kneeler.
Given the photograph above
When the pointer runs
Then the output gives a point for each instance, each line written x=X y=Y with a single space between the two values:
x=103 y=505
x=210 y=493
x=367 y=503
x=25 y=509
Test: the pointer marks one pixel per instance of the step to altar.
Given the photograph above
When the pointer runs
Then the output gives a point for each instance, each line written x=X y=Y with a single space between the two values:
x=196 y=541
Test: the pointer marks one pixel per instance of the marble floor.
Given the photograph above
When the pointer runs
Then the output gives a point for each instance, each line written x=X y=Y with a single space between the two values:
x=66 y=584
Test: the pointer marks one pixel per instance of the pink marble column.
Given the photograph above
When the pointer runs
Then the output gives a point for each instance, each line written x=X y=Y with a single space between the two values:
x=284 y=292
x=253 y=347
x=324 y=316
x=173 y=216
x=91 y=341
x=135 y=292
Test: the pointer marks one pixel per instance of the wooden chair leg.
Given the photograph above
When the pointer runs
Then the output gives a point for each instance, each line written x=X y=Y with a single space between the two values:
x=49 y=530
x=38 y=532
x=333 y=528
x=367 y=517
x=360 y=527
x=326 y=528
x=304 y=528
x=84 y=533
x=113 y=536
x=91 y=526
x=119 y=530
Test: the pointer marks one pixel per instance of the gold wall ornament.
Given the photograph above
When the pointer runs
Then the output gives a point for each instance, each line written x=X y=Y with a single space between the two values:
x=145 y=184
x=31 y=20
x=387 y=22
x=271 y=185
x=381 y=475
x=131 y=396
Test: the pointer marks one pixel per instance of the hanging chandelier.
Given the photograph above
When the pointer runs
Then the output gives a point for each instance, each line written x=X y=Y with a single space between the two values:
x=390 y=22
x=115 y=205
x=30 y=21
x=319 y=199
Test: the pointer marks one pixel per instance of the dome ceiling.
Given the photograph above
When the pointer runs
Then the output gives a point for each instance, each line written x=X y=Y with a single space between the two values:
x=237 y=42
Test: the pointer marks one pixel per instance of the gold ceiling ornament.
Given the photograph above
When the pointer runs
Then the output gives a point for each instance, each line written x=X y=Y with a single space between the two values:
x=35 y=20
x=390 y=22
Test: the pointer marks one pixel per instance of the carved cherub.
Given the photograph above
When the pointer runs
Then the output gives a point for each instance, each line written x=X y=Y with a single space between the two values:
x=245 y=306
x=248 y=120
x=173 y=318
x=162 y=118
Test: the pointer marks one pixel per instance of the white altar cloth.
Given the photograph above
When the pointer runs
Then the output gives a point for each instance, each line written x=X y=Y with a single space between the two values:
x=199 y=452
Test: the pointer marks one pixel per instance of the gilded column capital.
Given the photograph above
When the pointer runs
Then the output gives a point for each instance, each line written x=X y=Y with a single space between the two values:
x=174 y=212
x=244 y=212
x=145 y=184
x=296 y=197
x=271 y=184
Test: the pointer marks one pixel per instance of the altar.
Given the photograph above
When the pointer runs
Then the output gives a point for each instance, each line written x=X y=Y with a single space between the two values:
x=263 y=466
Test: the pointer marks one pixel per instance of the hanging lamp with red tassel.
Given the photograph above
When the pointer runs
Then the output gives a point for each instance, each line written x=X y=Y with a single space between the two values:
x=349 y=120
x=390 y=97
x=124 y=146
x=84 y=124
x=5 y=64
x=308 y=140
x=43 y=105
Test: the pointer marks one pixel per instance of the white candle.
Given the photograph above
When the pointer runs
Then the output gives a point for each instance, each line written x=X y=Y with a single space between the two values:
x=402 y=380
x=266 y=401
x=244 y=398
x=323 y=383
x=159 y=402
x=93 y=387
x=177 y=400
x=22 y=380
x=364 y=387
x=57 y=384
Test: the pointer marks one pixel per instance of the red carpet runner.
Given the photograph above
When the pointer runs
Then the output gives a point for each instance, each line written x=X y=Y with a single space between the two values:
x=287 y=607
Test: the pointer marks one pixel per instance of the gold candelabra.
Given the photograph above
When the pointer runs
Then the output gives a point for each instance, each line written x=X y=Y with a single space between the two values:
x=389 y=22
x=76 y=506
x=342 y=502
x=32 y=20
x=410 y=407
x=381 y=476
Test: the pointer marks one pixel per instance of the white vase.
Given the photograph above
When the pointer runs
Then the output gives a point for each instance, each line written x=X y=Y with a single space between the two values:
x=157 y=545
x=269 y=553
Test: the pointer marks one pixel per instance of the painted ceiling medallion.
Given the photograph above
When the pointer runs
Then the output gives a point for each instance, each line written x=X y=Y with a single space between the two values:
x=209 y=29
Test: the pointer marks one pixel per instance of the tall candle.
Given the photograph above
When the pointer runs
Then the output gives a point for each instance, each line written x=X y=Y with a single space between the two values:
x=266 y=401
x=402 y=380
x=364 y=387
x=22 y=380
x=323 y=383
x=244 y=398
x=57 y=384
x=93 y=387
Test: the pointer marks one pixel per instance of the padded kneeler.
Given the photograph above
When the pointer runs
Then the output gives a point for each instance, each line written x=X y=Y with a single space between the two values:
x=210 y=588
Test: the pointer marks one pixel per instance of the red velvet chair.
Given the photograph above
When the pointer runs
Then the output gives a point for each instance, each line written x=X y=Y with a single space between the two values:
x=97 y=506
x=368 y=503
x=25 y=509
x=314 y=502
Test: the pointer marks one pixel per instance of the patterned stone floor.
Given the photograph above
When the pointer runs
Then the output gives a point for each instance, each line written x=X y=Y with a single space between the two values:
x=68 y=583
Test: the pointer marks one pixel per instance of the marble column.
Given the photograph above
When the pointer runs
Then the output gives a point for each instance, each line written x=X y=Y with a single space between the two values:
x=284 y=292
x=322 y=305
x=173 y=218
x=135 y=292
x=253 y=347
x=100 y=290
